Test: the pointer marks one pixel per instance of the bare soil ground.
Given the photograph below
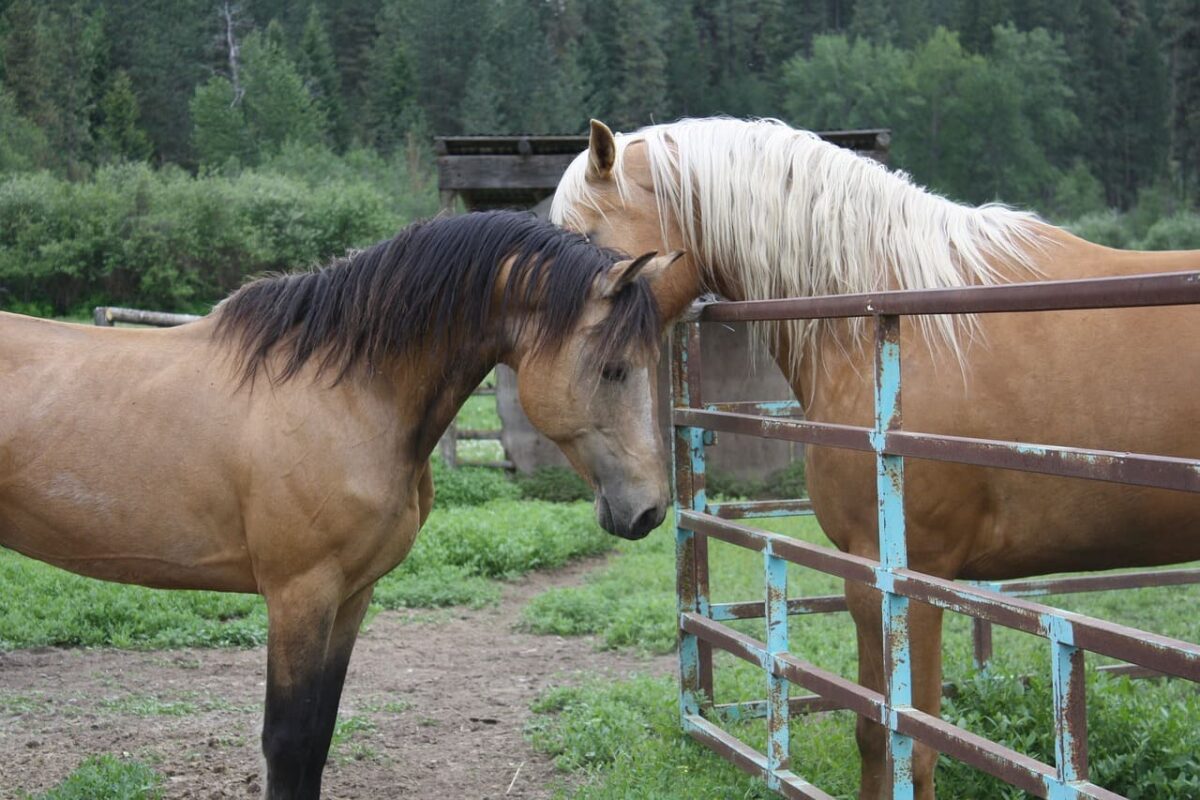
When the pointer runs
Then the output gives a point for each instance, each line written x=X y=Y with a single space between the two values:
x=434 y=707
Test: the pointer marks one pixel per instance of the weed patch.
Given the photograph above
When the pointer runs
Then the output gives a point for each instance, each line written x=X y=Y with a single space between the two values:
x=107 y=778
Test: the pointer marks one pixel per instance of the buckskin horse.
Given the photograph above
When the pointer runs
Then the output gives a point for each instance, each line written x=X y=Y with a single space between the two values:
x=281 y=444
x=765 y=211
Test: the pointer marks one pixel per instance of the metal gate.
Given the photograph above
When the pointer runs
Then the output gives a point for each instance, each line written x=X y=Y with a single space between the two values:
x=1070 y=635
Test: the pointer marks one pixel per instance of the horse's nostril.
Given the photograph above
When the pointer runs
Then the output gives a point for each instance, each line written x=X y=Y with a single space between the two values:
x=647 y=521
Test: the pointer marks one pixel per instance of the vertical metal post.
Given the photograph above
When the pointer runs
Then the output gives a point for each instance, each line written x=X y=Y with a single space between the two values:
x=981 y=636
x=777 y=643
x=893 y=552
x=691 y=549
x=1070 y=705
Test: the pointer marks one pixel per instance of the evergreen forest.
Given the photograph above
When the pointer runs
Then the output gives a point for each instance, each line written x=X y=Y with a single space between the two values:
x=157 y=151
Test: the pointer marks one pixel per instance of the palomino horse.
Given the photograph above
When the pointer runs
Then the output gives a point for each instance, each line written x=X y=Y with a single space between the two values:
x=765 y=211
x=281 y=444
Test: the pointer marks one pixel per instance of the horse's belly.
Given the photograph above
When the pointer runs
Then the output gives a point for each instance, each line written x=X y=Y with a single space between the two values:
x=100 y=532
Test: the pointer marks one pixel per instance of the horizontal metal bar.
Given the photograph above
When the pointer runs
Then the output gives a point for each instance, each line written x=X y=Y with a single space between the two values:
x=1165 y=472
x=749 y=760
x=761 y=508
x=1161 y=653
x=1074 y=584
x=767 y=408
x=1160 y=289
x=822 y=559
x=754 y=609
x=757 y=709
x=467 y=433
x=488 y=464
x=1131 y=671
x=1011 y=766
x=793 y=430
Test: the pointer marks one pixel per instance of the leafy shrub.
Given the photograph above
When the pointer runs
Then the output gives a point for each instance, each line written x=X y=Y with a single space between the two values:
x=554 y=485
x=1102 y=227
x=726 y=485
x=1139 y=734
x=1180 y=231
x=470 y=486
x=785 y=483
x=164 y=239
x=507 y=538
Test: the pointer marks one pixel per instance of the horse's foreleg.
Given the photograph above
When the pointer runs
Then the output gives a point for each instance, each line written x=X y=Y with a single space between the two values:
x=925 y=640
x=301 y=620
x=337 y=659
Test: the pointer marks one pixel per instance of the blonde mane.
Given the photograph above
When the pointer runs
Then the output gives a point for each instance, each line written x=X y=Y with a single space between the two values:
x=786 y=214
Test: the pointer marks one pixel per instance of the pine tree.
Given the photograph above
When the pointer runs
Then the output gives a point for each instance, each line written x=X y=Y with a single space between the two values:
x=914 y=22
x=392 y=109
x=118 y=135
x=689 y=71
x=71 y=48
x=873 y=22
x=480 y=111
x=278 y=107
x=641 y=88
x=167 y=48
x=22 y=144
x=220 y=135
x=23 y=24
x=1182 y=19
x=318 y=68
x=569 y=94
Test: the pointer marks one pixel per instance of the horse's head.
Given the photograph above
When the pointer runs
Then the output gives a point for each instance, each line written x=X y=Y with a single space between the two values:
x=593 y=393
x=608 y=194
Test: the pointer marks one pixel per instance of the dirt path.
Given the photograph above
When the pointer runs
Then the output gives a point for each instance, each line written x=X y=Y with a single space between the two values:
x=434 y=708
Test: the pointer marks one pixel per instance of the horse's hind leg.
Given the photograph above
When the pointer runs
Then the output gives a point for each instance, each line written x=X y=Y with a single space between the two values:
x=309 y=640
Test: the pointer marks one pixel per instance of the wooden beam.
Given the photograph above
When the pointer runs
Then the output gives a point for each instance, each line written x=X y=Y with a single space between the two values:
x=501 y=172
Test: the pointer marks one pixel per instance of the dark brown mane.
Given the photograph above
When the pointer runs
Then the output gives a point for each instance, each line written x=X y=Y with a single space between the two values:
x=431 y=286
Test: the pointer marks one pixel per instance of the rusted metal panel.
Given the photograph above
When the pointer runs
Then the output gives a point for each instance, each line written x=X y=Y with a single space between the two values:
x=1132 y=291
x=1070 y=635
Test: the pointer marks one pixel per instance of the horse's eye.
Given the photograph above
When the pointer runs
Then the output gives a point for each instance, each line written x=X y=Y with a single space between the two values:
x=614 y=373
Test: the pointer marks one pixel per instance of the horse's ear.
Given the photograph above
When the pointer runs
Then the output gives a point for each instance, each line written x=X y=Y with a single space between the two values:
x=649 y=265
x=602 y=151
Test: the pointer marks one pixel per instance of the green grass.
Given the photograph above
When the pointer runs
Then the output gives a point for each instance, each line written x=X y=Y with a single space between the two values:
x=107 y=778
x=625 y=737
x=457 y=559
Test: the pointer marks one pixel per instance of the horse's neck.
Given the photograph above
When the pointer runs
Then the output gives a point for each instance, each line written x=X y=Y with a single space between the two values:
x=431 y=389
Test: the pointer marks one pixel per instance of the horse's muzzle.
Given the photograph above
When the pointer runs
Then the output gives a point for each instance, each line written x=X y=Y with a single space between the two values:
x=633 y=524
